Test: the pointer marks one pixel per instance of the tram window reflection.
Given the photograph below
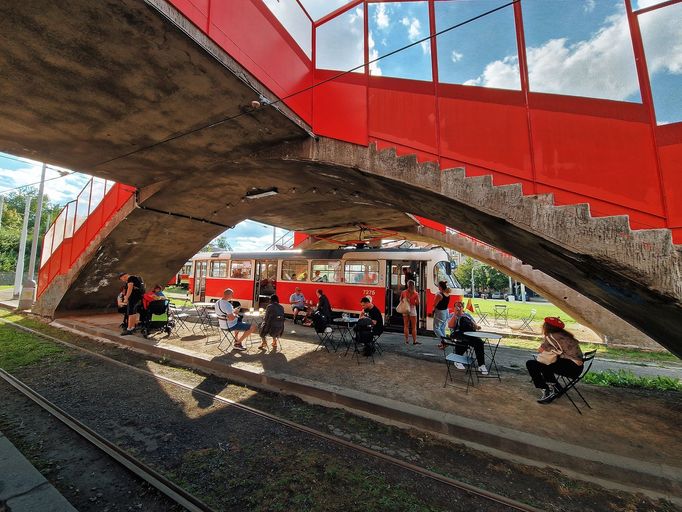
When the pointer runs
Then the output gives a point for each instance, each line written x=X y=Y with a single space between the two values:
x=219 y=269
x=362 y=272
x=294 y=270
x=327 y=271
x=240 y=270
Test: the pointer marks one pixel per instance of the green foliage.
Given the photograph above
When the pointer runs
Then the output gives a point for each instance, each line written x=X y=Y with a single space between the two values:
x=627 y=379
x=12 y=220
x=486 y=278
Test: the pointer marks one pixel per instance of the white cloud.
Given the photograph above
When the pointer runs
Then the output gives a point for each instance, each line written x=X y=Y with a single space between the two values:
x=413 y=28
x=381 y=17
x=374 y=67
x=589 y=5
x=456 y=56
x=61 y=190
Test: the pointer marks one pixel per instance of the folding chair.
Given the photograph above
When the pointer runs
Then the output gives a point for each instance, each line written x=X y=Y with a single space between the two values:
x=361 y=339
x=377 y=346
x=325 y=335
x=567 y=384
x=525 y=323
x=226 y=335
x=482 y=317
x=178 y=316
x=468 y=359
x=501 y=311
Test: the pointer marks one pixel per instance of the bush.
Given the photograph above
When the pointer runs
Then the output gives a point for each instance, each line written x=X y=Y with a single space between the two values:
x=627 y=379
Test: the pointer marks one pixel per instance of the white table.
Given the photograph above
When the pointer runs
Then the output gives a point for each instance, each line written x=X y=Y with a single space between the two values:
x=492 y=348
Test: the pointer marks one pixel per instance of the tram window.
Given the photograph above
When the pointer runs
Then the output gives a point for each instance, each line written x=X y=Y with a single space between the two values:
x=240 y=270
x=444 y=271
x=327 y=271
x=362 y=272
x=219 y=269
x=294 y=270
x=187 y=269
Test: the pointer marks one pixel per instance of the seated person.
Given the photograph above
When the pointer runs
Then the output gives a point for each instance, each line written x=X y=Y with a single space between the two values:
x=460 y=323
x=121 y=306
x=568 y=361
x=372 y=312
x=228 y=320
x=156 y=293
x=298 y=303
x=319 y=278
x=273 y=323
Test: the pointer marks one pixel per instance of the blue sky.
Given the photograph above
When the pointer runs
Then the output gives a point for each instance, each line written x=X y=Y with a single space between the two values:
x=578 y=47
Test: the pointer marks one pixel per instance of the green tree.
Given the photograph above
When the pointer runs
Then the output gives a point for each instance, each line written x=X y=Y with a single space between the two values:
x=486 y=278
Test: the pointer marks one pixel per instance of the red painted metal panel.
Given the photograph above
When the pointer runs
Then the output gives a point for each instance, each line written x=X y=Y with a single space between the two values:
x=485 y=128
x=243 y=288
x=55 y=263
x=65 y=264
x=431 y=224
x=195 y=10
x=299 y=238
x=671 y=164
x=248 y=31
x=341 y=107
x=403 y=112
x=597 y=157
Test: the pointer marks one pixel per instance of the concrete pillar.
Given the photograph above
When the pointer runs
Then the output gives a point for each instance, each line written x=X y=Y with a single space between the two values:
x=22 y=249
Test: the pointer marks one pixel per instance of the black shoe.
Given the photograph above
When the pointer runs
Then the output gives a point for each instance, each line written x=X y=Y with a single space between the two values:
x=127 y=332
x=547 y=396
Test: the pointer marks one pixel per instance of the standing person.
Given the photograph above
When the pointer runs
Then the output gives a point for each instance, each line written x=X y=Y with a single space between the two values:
x=410 y=319
x=132 y=299
x=559 y=354
x=273 y=323
x=228 y=320
x=440 y=312
x=297 y=301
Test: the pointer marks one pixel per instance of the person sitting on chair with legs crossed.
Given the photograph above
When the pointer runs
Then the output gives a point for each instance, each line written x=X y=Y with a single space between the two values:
x=228 y=320
x=461 y=323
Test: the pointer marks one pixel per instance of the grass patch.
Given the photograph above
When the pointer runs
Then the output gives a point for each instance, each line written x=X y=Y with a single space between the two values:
x=5 y=286
x=19 y=349
x=627 y=379
x=521 y=310
x=603 y=352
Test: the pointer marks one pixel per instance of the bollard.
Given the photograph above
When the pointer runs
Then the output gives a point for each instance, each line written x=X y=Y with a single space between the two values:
x=27 y=296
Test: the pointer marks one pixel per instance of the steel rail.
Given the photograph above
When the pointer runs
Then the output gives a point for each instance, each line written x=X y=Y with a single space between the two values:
x=450 y=482
x=137 y=467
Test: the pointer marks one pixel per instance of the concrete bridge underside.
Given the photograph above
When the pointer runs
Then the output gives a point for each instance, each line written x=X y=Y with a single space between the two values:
x=90 y=85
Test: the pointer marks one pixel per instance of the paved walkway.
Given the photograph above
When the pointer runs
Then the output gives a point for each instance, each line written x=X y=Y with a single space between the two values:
x=22 y=487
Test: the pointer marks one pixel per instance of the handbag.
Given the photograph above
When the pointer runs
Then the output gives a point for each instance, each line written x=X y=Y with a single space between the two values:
x=550 y=356
x=404 y=307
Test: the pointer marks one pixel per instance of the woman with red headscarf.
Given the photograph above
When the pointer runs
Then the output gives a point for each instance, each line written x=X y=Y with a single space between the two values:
x=559 y=354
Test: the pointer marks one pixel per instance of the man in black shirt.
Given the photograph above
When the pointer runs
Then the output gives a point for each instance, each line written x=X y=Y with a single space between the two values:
x=132 y=299
x=373 y=313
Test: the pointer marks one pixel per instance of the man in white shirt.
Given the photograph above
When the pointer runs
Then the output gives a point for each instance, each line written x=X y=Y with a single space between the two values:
x=228 y=320
x=297 y=301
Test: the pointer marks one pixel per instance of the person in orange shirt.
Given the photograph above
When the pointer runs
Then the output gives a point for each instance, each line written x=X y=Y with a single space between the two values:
x=411 y=296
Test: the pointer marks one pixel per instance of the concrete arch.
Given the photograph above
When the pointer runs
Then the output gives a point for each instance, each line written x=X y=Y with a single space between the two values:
x=128 y=101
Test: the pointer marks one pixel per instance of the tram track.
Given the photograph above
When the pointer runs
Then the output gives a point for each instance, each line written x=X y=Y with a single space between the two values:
x=178 y=494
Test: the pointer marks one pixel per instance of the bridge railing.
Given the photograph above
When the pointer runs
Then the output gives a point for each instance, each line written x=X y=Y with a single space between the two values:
x=77 y=225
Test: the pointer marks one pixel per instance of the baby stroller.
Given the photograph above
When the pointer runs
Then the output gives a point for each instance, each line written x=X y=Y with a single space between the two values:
x=155 y=318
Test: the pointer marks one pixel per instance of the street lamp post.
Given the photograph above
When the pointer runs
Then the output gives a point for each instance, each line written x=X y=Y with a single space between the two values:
x=28 y=292
x=22 y=249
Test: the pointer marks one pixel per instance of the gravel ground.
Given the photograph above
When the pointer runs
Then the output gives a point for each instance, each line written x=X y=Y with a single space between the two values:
x=234 y=460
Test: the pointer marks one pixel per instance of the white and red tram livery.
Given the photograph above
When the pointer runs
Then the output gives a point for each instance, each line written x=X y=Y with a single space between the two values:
x=344 y=275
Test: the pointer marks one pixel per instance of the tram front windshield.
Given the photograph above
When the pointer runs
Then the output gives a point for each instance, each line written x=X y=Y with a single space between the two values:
x=445 y=271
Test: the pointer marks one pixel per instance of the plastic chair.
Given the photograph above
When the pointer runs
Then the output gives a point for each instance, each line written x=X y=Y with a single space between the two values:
x=567 y=383
x=482 y=317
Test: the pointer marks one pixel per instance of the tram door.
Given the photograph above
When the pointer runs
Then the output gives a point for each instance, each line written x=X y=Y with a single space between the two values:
x=397 y=275
x=199 y=292
x=265 y=282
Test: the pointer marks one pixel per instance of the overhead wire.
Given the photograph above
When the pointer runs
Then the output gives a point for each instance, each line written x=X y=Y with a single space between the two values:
x=305 y=89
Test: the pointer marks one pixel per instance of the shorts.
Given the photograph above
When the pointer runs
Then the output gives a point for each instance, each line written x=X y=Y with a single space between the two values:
x=413 y=311
x=300 y=308
x=133 y=306
x=240 y=326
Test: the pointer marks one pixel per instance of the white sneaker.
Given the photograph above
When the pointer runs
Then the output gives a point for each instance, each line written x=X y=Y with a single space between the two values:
x=459 y=366
x=483 y=370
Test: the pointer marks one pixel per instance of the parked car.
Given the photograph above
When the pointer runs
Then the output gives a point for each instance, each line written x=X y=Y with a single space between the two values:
x=496 y=295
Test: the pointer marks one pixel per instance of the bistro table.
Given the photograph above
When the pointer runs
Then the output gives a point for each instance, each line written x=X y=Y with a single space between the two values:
x=202 y=309
x=492 y=349
x=345 y=325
